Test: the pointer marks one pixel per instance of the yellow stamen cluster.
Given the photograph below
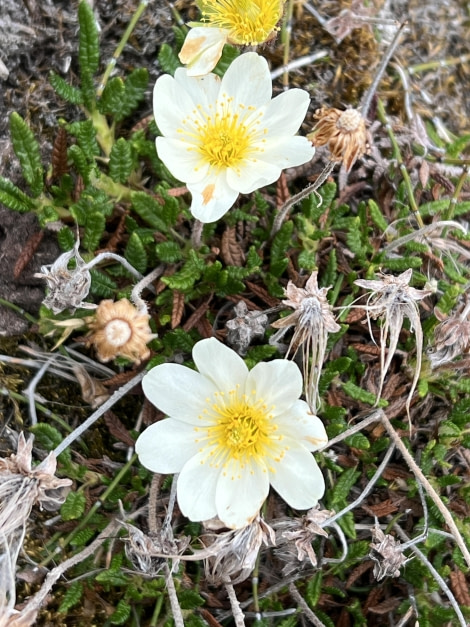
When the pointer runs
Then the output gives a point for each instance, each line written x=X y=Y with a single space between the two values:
x=243 y=430
x=249 y=22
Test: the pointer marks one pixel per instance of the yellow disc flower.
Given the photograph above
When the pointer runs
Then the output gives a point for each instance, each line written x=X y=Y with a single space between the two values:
x=241 y=22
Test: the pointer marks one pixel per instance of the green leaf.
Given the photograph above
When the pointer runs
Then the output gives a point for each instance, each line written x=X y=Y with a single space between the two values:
x=73 y=506
x=168 y=252
x=95 y=225
x=188 y=275
x=66 y=238
x=89 y=51
x=400 y=264
x=281 y=243
x=168 y=59
x=71 y=597
x=229 y=54
x=148 y=209
x=135 y=253
x=343 y=487
x=13 y=198
x=359 y=394
x=377 y=216
x=46 y=435
x=121 y=614
x=64 y=90
x=189 y=599
x=120 y=98
x=85 y=133
x=27 y=150
x=120 y=161
x=102 y=285
x=359 y=441
x=81 y=163
x=313 y=590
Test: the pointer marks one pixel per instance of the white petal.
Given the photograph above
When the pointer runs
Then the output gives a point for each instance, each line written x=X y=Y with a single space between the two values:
x=203 y=90
x=185 y=164
x=247 y=81
x=220 y=364
x=240 y=493
x=171 y=105
x=287 y=152
x=212 y=198
x=285 y=113
x=166 y=446
x=297 y=479
x=196 y=488
x=178 y=391
x=202 y=49
x=303 y=427
x=278 y=383
x=252 y=175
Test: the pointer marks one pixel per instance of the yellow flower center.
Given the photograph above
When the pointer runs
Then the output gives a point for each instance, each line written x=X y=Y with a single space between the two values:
x=249 y=22
x=242 y=429
x=228 y=137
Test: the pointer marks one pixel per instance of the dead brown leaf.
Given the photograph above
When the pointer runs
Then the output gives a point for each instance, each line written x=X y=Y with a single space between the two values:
x=231 y=251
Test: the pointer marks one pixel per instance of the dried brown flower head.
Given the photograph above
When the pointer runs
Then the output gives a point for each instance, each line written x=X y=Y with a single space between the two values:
x=344 y=132
x=245 y=327
x=119 y=328
x=451 y=336
x=392 y=300
x=387 y=553
x=312 y=321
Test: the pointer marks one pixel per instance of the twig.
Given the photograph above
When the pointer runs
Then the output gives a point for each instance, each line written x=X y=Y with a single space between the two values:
x=427 y=486
x=175 y=606
x=237 y=613
x=295 y=594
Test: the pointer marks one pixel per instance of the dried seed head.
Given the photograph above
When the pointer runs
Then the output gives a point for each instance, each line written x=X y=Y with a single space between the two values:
x=294 y=537
x=387 y=553
x=312 y=321
x=344 y=132
x=67 y=287
x=451 y=337
x=234 y=553
x=119 y=328
x=247 y=326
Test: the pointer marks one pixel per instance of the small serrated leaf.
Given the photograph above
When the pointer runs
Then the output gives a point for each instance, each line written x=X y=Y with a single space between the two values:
x=26 y=149
x=64 y=90
x=120 y=161
x=13 y=198
x=71 y=597
x=89 y=51
x=135 y=253
x=95 y=224
x=168 y=59
x=73 y=506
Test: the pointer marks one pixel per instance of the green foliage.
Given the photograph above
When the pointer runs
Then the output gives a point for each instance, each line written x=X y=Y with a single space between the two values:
x=121 y=97
x=185 y=278
x=229 y=54
x=27 y=150
x=66 y=238
x=168 y=59
x=314 y=589
x=148 y=209
x=120 y=161
x=85 y=133
x=72 y=597
x=189 y=599
x=88 y=52
x=102 y=285
x=168 y=252
x=73 y=506
x=64 y=90
x=135 y=253
x=13 y=198
x=377 y=216
x=95 y=224
x=279 y=247
x=121 y=614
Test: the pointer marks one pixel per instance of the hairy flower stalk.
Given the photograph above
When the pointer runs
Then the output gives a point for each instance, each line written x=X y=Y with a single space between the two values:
x=239 y=22
x=231 y=433
x=312 y=321
x=227 y=137
x=392 y=300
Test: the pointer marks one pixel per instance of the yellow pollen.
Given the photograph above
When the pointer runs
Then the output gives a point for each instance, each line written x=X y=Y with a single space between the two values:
x=242 y=429
x=248 y=21
x=224 y=141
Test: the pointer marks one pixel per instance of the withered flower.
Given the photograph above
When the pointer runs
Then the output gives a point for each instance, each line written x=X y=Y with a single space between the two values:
x=387 y=553
x=67 y=287
x=451 y=336
x=119 y=328
x=245 y=327
x=344 y=132
x=392 y=300
x=233 y=553
x=294 y=537
x=312 y=321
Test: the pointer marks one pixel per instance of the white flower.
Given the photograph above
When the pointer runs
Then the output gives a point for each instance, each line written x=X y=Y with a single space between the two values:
x=225 y=137
x=240 y=22
x=232 y=432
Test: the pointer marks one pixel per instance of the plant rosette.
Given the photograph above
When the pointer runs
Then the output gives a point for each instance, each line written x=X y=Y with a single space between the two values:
x=230 y=433
x=224 y=137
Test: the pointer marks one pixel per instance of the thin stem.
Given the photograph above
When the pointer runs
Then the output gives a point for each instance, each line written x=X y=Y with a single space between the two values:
x=284 y=210
x=449 y=213
x=298 y=598
x=427 y=486
x=20 y=310
x=122 y=261
x=175 y=606
x=118 y=394
x=298 y=63
x=117 y=53
x=237 y=612
x=431 y=65
x=286 y=37
x=141 y=285
x=196 y=235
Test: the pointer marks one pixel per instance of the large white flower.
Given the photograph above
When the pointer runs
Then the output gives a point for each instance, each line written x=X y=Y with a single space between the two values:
x=232 y=432
x=225 y=137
